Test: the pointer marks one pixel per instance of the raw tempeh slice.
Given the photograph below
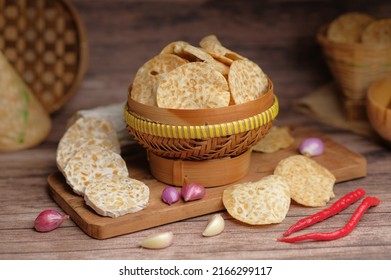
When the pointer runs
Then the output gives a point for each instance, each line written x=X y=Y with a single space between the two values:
x=91 y=163
x=86 y=132
x=263 y=202
x=149 y=75
x=115 y=196
x=113 y=113
x=246 y=81
x=194 y=85
x=310 y=183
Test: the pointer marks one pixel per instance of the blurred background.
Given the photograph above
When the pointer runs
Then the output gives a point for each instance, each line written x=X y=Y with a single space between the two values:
x=121 y=35
x=279 y=35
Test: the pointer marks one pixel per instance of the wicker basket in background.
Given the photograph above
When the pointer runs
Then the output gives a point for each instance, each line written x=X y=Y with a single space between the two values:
x=45 y=41
x=201 y=135
x=354 y=67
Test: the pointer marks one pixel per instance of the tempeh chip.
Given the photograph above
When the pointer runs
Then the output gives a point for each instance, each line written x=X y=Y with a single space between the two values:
x=195 y=85
x=201 y=55
x=149 y=75
x=194 y=54
x=277 y=138
x=175 y=47
x=213 y=46
x=348 y=27
x=115 y=196
x=246 y=81
x=377 y=33
x=91 y=163
x=310 y=183
x=263 y=202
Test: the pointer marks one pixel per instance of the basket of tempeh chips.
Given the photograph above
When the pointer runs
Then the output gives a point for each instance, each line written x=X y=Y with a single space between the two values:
x=192 y=106
x=357 y=49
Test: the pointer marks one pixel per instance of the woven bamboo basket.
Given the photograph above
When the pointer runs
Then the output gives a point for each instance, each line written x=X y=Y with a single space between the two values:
x=355 y=66
x=45 y=41
x=192 y=143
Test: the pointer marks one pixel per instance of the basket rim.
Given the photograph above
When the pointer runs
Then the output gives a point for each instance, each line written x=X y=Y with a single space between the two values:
x=201 y=131
x=206 y=115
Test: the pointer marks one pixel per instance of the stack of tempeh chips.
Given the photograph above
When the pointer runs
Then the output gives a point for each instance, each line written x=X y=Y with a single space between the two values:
x=361 y=28
x=184 y=76
x=89 y=157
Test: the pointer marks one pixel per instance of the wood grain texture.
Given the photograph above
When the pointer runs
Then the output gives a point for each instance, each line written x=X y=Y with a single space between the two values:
x=279 y=35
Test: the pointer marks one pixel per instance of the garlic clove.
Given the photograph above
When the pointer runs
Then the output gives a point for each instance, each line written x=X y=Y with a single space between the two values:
x=158 y=241
x=215 y=226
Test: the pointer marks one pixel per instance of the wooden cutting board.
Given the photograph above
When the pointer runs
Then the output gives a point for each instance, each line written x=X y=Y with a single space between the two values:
x=342 y=162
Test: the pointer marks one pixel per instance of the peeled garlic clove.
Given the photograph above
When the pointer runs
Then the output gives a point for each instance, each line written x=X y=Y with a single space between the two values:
x=158 y=241
x=215 y=226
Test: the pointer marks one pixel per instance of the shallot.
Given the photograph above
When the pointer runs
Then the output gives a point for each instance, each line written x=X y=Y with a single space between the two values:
x=193 y=191
x=170 y=195
x=311 y=146
x=49 y=220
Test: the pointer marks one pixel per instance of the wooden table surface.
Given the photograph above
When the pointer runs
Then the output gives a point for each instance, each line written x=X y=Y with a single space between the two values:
x=279 y=36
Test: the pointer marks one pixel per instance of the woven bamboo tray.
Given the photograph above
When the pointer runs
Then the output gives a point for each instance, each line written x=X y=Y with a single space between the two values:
x=44 y=40
x=193 y=143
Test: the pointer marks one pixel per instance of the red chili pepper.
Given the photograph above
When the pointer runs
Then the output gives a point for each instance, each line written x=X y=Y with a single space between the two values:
x=348 y=228
x=334 y=209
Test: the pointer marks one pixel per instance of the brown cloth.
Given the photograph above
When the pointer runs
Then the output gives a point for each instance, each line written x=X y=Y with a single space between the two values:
x=324 y=104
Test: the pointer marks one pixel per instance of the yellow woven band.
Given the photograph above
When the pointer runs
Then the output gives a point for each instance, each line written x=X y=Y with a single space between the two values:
x=204 y=131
